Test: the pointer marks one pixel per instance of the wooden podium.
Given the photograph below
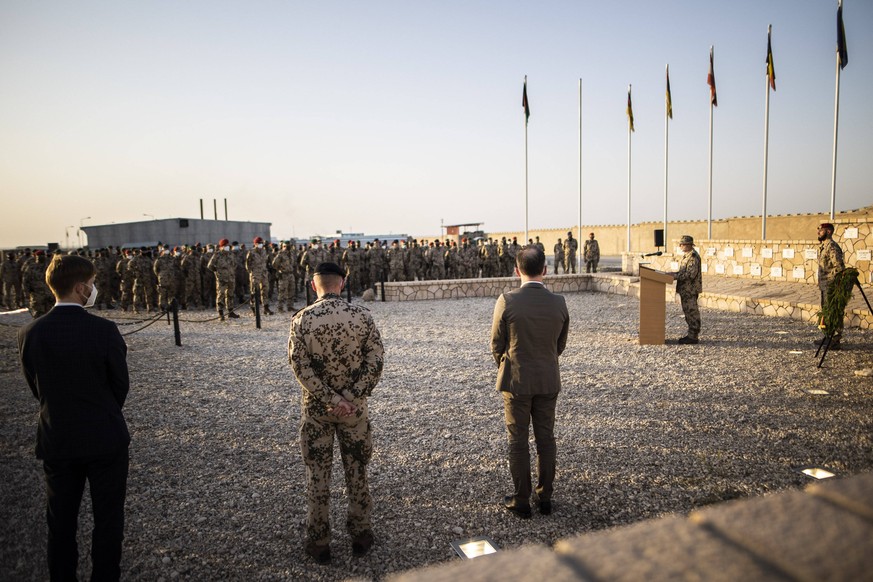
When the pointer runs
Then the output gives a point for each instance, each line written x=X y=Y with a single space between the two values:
x=653 y=311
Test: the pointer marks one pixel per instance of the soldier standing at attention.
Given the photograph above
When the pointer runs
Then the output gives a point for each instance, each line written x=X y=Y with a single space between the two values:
x=571 y=245
x=591 y=254
x=830 y=262
x=311 y=258
x=689 y=284
x=396 y=261
x=559 y=256
x=126 y=279
x=39 y=297
x=336 y=353
x=10 y=276
x=256 y=265
x=167 y=270
x=541 y=245
x=285 y=265
x=191 y=275
x=223 y=264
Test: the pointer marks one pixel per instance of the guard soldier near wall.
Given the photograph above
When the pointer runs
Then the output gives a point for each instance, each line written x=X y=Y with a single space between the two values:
x=830 y=262
x=571 y=245
x=591 y=254
x=559 y=256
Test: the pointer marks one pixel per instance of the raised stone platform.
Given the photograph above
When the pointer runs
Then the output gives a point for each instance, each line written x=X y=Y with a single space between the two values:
x=822 y=533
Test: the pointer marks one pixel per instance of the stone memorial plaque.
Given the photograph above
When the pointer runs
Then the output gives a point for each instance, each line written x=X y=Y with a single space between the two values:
x=710 y=252
x=798 y=273
x=729 y=251
x=719 y=269
x=755 y=269
x=775 y=271
x=674 y=266
x=787 y=253
x=863 y=255
x=851 y=232
x=767 y=253
x=738 y=269
x=747 y=252
x=810 y=254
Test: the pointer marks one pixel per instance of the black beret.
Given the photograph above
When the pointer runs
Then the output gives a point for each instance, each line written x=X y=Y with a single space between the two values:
x=329 y=269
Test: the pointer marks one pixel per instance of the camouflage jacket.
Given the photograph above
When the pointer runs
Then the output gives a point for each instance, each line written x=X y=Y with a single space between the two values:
x=256 y=262
x=284 y=263
x=689 y=280
x=559 y=250
x=591 y=251
x=335 y=351
x=312 y=258
x=571 y=245
x=33 y=280
x=167 y=269
x=830 y=262
x=223 y=264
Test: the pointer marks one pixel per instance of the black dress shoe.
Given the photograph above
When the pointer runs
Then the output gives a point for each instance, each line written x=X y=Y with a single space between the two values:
x=686 y=340
x=321 y=554
x=362 y=543
x=545 y=507
x=518 y=510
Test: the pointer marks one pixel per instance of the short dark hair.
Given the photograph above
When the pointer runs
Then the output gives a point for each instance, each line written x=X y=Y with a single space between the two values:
x=65 y=271
x=531 y=260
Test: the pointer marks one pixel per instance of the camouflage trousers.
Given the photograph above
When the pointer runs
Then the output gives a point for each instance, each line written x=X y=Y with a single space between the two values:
x=224 y=290
x=287 y=290
x=193 y=292
x=126 y=293
x=591 y=266
x=559 y=262
x=143 y=294
x=397 y=274
x=10 y=294
x=167 y=291
x=258 y=283
x=570 y=263
x=692 y=314
x=317 y=429
x=40 y=303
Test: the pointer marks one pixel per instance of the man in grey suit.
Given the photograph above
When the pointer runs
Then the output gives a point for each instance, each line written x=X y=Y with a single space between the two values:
x=528 y=333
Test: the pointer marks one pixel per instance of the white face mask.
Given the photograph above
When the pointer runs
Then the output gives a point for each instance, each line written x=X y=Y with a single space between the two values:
x=260 y=246
x=92 y=297
x=225 y=248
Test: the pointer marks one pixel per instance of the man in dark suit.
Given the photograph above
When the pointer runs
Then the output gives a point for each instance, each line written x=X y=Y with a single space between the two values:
x=76 y=366
x=528 y=333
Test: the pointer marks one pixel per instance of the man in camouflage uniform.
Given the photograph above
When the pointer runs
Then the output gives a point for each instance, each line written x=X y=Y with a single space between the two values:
x=438 y=261
x=223 y=263
x=256 y=265
x=285 y=265
x=689 y=284
x=191 y=275
x=376 y=258
x=140 y=269
x=39 y=297
x=104 y=267
x=350 y=263
x=559 y=256
x=10 y=275
x=396 y=261
x=336 y=353
x=571 y=245
x=541 y=245
x=591 y=254
x=126 y=279
x=311 y=258
x=207 y=278
x=168 y=273
x=830 y=262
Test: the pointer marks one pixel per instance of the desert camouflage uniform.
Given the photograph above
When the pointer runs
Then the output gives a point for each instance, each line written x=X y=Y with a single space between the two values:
x=689 y=284
x=39 y=297
x=207 y=279
x=377 y=268
x=571 y=245
x=312 y=258
x=591 y=254
x=830 y=262
x=559 y=256
x=140 y=269
x=351 y=262
x=336 y=353
x=285 y=264
x=167 y=270
x=259 y=279
x=396 y=262
x=438 y=261
x=126 y=281
x=193 y=282
x=11 y=288
x=223 y=264
x=103 y=265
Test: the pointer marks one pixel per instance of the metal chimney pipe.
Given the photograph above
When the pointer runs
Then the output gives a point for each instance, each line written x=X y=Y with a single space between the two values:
x=201 y=209
x=215 y=207
x=225 y=209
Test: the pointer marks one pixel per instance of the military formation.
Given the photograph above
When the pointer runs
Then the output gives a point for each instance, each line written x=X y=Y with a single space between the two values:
x=227 y=274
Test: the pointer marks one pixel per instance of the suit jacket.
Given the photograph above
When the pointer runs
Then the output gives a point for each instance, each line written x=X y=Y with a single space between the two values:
x=528 y=333
x=76 y=366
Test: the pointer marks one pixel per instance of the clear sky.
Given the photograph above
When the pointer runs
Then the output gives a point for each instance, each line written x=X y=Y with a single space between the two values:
x=386 y=117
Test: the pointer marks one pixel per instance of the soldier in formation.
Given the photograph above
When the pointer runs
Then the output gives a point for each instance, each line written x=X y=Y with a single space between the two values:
x=11 y=277
x=167 y=270
x=559 y=256
x=256 y=265
x=223 y=264
x=285 y=266
x=591 y=254
x=571 y=245
x=39 y=297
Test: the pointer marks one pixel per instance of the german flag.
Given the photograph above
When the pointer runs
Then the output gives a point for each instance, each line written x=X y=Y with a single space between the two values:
x=842 y=52
x=630 y=109
x=669 y=96
x=771 y=71
x=524 y=102
x=710 y=80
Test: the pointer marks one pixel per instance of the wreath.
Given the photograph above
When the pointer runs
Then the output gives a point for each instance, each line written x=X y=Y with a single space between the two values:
x=837 y=297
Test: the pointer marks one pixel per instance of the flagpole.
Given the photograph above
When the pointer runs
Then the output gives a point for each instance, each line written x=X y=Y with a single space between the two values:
x=766 y=141
x=579 y=237
x=836 y=116
x=666 y=158
x=628 y=182
x=709 y=213
x=525 y=173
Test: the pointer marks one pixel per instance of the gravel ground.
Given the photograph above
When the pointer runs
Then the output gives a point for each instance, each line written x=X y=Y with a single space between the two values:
x=216 y=485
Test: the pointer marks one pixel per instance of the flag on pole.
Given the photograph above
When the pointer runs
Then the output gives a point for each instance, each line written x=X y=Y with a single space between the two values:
x=771 y=72
x=710 y=80
x=841 y=38
x=630 y=109
x=524 y=102
x=669 y=96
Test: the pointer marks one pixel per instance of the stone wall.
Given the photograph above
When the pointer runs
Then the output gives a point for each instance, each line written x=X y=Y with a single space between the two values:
x=771 y=260
x=463 y=288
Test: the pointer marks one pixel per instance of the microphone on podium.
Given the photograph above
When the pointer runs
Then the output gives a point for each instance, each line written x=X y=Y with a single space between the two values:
x=657 y=254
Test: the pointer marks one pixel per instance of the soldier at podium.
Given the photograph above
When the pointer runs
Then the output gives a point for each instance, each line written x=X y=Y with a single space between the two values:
x=689 y=284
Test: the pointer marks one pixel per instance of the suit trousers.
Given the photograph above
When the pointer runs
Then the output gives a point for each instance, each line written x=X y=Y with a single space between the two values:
x=520 y=411
x=65 y=483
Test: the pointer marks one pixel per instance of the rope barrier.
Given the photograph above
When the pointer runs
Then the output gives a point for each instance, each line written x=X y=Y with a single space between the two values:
x=145 y=326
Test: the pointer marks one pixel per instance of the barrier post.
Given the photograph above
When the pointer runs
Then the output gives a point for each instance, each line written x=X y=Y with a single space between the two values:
x=174 y=305
x=257 y=298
